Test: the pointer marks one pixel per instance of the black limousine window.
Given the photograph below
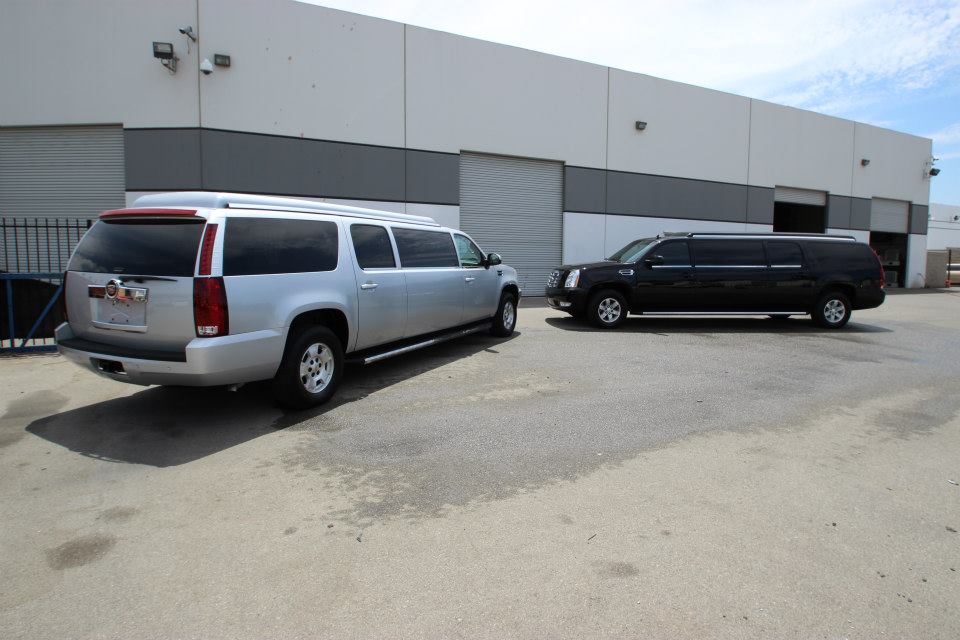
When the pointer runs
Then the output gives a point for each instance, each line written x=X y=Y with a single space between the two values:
x=373 y=247
x=425 y=248
x=729 y=253
x=674 y=254
x=842 y=255
x=784 y=254
x=273 y=245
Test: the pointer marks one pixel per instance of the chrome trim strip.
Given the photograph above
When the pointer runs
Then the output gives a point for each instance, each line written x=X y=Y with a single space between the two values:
x=133 y=328
x=320 y=210
x=426 y=343
x=671 y=266
x=725 y=313
x=732 y=266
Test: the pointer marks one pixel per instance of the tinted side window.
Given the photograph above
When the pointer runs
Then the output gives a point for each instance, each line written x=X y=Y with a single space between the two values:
x=470 y=254
x=842 y=255
x=784 y=254
x=373 y=247
x=729 y=253
x=271 y=245
x=425 y=248
x=141 y=248
x=674 y=254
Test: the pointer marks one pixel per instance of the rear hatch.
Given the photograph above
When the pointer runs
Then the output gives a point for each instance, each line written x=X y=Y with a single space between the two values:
x=130 y=281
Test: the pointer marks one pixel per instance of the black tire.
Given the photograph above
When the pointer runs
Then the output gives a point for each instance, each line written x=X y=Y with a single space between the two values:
x=832 y=310
x=607 y=309
x=505 y=319
x=291 y=385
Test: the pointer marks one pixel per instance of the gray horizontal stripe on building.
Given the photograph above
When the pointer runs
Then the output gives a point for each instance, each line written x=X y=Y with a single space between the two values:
x=218 y=160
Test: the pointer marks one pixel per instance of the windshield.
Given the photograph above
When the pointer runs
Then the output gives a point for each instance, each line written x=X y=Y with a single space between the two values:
x=633 y=251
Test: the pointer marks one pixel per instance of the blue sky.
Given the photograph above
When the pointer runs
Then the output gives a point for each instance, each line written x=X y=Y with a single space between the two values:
x=893 y=64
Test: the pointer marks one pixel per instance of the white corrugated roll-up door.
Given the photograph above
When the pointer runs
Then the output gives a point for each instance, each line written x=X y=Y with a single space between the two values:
x=514 y=207
x=800 y=196
x=889 y=215
x=55 y=173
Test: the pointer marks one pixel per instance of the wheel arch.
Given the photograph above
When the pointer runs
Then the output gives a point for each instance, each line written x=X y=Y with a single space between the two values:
x=333 y=319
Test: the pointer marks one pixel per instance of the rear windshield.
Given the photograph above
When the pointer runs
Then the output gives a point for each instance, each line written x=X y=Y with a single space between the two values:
x=843 y=255
x=155 y=248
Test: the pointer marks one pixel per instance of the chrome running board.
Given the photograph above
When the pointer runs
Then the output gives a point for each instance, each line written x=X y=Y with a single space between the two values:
x=426 y=343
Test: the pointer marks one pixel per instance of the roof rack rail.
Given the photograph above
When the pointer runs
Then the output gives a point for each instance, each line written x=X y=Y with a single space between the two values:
x=774 y=234
x=220 y=200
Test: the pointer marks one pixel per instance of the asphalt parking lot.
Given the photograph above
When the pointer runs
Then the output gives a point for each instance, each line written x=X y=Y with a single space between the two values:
x=679 y=477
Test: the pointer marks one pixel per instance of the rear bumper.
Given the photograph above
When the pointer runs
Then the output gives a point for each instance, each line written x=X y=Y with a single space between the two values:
x=869 y=298
x=572 y=300
x=205 y=362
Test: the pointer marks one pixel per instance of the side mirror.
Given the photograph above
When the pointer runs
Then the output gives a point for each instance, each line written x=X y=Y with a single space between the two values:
x=494 y=259
x=653 y=261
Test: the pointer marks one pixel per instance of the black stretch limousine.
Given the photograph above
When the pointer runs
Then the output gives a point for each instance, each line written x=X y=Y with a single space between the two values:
x=773 y=274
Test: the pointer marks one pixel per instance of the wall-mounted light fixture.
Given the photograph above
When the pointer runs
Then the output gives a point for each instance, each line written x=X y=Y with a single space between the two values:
x=864 y=162
x=934 y=171
x=163 y=51
x=928 y=169
x=640 y=125
x=221 y=60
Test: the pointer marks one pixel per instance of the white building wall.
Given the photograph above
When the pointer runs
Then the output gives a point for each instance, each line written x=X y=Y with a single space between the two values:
x=896 y=165
x=794 y=148
x=465 y=94
x=92 y=63
x=691 y=132
x=916 y=275
x=944 y=230
x=302 y=70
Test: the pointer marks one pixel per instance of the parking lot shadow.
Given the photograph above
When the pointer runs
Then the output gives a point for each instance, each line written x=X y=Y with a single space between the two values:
x=665 y=325
x=168 y=426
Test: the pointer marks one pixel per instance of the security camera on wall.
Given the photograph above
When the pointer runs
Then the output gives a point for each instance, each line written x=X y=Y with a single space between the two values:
x=206 y=67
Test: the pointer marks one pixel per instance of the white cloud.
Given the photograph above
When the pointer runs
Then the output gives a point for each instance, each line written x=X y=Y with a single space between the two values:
x=947 y=136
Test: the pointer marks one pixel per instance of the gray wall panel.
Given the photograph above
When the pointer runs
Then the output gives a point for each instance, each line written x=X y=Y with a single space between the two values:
x=919 y=216
x=433 y=177
x=759 y=205
x=838 y=212
x=161 y=159
x=249 y=162
x=584 y=190
x=860 y=213
x=354 y=171
x=645 y=195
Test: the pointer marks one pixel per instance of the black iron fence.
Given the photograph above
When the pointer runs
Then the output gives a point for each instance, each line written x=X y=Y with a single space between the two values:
x=33 y=256
x=31 y=245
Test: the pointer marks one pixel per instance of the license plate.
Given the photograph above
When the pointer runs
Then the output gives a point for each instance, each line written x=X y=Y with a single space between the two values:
x=116 y=306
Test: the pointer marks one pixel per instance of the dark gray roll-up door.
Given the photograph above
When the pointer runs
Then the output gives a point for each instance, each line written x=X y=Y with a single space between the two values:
x=800 y=196
x=54 y=173
x=50 y=172
x=889 y=215
x=514 y=207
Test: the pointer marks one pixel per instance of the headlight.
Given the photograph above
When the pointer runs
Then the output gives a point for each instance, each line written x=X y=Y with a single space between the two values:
x=573 y=279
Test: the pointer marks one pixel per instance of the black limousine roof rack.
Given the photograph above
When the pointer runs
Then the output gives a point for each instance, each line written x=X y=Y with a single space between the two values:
x=744 y=234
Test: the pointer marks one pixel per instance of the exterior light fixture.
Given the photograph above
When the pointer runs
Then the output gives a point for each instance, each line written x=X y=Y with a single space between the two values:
x=640 y=125
x=934 y=171
x=864 y=162
x=163 y=51
x=221 y=60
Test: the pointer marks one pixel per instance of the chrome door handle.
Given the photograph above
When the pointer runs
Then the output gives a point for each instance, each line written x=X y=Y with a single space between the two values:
x=369 y=285
x=468 y=279
x=626 y=272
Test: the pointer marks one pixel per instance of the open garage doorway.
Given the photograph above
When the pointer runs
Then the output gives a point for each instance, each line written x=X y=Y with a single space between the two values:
x=799 y=218
x=891 y=248
x=799 y=210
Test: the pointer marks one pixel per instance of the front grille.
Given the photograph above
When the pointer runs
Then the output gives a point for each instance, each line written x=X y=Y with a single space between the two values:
x=555 y=279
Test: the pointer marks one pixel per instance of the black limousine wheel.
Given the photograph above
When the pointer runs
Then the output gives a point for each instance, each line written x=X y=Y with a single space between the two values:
x=832 y=310
x=607 y=309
